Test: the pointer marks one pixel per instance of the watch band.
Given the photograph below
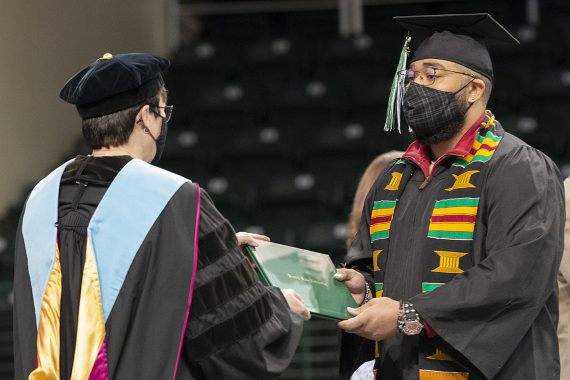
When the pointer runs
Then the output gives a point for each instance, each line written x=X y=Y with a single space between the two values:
x=409 y=321
x=367 y=295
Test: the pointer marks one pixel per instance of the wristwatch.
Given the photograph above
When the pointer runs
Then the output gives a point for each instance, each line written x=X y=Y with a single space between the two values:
x=409 y=321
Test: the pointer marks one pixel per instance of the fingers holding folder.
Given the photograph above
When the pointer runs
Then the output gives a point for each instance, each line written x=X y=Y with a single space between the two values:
x=296 y=303
x=354 y=281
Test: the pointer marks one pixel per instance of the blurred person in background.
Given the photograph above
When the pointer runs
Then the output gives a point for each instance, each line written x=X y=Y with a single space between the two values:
x=127 y=271
x=465 y=233
x=355 y=350
x=564 y=296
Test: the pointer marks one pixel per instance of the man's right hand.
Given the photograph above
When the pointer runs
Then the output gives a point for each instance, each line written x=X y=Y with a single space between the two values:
x=354 y=281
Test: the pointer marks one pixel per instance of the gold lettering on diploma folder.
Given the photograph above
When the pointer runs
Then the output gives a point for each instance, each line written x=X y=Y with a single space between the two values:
x=305 y=279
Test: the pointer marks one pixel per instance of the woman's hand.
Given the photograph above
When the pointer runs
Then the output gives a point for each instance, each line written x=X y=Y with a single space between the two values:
x=246 y=238
x=296 y=303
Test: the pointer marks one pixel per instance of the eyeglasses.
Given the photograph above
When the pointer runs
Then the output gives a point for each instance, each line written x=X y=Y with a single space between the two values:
x=426 y=75
x=167 y=112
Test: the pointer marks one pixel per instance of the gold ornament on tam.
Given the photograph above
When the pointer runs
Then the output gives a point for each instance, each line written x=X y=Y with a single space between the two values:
x=105 y=57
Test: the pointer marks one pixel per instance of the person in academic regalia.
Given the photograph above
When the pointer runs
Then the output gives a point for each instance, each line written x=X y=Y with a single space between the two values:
x=464 y=233
x=127 y=271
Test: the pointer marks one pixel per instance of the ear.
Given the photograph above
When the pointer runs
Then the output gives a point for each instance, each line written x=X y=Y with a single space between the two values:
x=142 y=116
x=476 y=90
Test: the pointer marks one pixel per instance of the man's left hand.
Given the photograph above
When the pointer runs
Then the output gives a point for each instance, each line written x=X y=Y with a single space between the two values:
x=376 y=320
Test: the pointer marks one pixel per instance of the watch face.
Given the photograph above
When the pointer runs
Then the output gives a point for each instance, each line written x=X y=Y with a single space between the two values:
x=412 y=328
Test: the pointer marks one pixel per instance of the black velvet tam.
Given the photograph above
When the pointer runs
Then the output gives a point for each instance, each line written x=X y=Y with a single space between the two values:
x=459 y=38
x=114 y=82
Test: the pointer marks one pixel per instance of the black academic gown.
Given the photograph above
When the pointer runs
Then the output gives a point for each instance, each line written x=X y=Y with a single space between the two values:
x=498 y=319
x=237 y=328
x=353 y=352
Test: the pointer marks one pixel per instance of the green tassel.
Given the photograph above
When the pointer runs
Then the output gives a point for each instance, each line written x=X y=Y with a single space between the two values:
x=397 y=90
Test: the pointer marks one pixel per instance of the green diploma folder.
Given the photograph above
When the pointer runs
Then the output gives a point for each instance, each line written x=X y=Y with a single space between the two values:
x=310 y=274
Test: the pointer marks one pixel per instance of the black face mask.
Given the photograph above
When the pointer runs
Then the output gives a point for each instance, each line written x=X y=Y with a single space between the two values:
x=160 y=143
x=433 y=115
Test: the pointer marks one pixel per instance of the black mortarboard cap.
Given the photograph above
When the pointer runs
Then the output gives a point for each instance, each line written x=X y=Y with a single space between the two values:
x=459 y=38
x=115 y=82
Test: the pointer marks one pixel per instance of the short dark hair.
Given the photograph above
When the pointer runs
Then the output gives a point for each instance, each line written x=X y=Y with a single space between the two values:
x=114 y=129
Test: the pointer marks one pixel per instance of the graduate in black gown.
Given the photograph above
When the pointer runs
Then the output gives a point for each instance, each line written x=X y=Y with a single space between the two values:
x=126 y=271
x=464 y=234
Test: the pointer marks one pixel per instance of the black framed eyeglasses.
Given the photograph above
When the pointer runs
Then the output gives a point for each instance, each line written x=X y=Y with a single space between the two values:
x=426 y=75
x=167 y=112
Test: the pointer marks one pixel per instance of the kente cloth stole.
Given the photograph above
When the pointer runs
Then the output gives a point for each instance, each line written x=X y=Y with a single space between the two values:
x=452 y=222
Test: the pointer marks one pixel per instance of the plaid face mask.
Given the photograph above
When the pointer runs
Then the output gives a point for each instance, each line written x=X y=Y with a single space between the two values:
x=433 y=115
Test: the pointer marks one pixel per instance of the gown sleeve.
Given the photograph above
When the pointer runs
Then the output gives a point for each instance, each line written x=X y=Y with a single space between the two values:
x=485 y=312
x=238 y=328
